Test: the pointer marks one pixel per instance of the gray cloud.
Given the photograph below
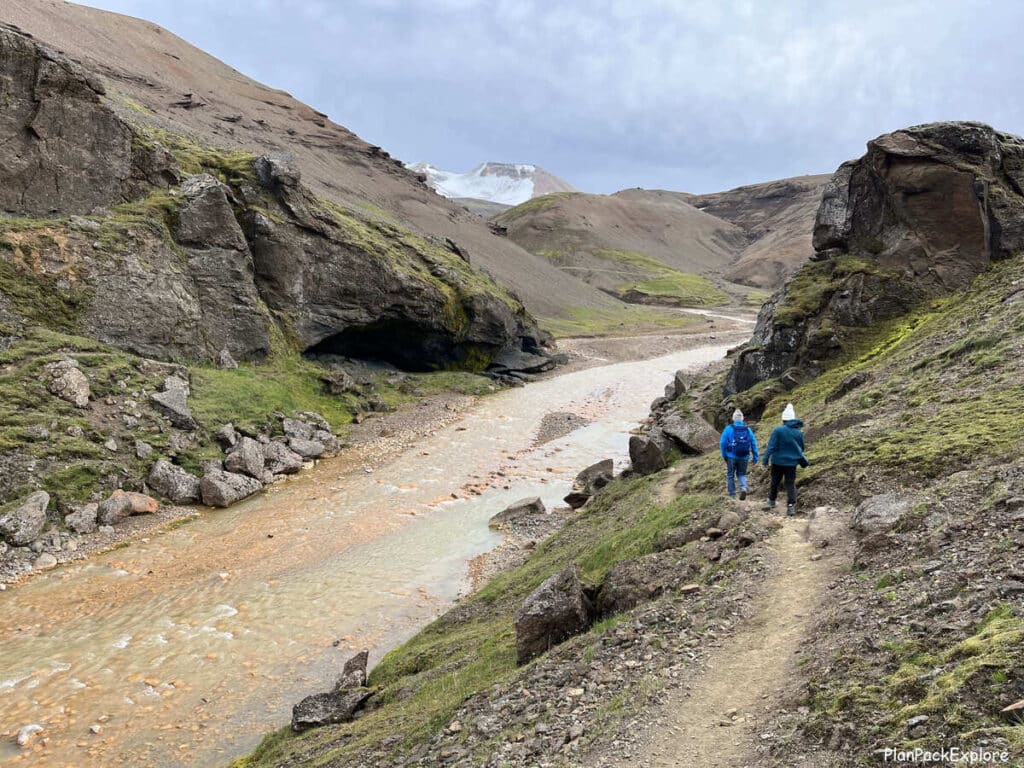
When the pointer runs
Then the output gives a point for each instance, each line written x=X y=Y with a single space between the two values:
x=693 y=95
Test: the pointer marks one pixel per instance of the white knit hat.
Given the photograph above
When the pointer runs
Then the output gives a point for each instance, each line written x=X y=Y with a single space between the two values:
x=789 y=413
x=737 y=415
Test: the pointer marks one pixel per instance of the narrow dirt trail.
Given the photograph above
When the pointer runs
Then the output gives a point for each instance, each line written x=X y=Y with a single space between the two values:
x=714 y=723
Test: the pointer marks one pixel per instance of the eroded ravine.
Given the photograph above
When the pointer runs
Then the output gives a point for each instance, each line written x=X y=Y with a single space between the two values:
x=183 y=648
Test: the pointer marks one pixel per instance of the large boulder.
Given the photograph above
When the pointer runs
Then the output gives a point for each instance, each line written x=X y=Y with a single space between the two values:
x=646 y=455
x=923 y=212
x=338 y=706
x=246 y=458
x=555 y=611
x=172 y=402
x=690 y=432
x=82 y=519
x=596 y=476
x=173 y=482
x=115 y=509
x=279 y=459
x=353 y=674
x=23 y=524
x=523 y=508
x=589 y=481
x=222 y=489
x=883 y=513
x=307 y=449
x=630 y=582
x=69 y=383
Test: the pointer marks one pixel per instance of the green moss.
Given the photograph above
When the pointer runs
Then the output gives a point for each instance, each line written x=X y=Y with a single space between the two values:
x=809 y=289
x=756 y=298
x=248 y=395
x=932 y=680
x=54 y=301
x=229 y=165
x=533 y=205
x=633 y=320
x=683 y=289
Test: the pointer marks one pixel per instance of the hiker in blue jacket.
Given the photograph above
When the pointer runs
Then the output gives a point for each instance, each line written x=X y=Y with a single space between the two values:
x=785 y=451
x=738 y=444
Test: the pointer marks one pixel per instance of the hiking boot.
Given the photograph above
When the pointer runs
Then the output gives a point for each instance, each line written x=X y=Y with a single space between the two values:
x=743 y=495
x=770 y=504
x=790 y=510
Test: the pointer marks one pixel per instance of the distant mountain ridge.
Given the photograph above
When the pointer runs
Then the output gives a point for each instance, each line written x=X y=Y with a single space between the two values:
x=502 y=183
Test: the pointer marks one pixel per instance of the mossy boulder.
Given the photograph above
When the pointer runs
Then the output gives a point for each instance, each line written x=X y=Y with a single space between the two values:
x=921 y=214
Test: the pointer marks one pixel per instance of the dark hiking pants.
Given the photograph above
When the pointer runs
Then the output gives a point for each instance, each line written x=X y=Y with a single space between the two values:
x=778 y=473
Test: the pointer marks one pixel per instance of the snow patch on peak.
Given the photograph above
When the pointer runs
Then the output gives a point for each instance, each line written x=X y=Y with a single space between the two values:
x=505 y=183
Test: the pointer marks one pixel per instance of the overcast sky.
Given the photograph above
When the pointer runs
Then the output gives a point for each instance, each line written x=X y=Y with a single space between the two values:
x=673 y=94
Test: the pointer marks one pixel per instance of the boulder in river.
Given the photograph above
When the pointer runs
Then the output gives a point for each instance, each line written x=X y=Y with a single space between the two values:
x=518 y=510
x=23 y=524
x=173 y=482
x=222 y=489
x=553 y=612
x=336 y=706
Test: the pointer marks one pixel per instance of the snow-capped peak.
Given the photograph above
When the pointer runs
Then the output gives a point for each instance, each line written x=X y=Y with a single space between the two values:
x=506 y=183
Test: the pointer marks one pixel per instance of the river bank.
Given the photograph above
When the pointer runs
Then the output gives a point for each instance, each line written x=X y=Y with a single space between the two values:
x=166 y=638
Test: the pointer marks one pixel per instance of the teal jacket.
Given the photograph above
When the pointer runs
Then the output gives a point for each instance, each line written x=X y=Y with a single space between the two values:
x=725 y=444
x=786 y=445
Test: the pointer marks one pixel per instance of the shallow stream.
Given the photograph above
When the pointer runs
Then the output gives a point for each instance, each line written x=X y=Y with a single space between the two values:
x=183 y=649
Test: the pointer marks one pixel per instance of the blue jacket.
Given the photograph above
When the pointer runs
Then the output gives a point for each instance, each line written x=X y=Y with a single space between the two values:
x=786 y=445
x=725 y=443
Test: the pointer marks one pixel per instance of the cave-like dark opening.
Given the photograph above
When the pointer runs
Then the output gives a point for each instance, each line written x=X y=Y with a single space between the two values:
x=401 y=343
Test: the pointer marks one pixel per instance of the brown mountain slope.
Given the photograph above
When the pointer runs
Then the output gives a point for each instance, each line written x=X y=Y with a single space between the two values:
x=630 y=242
x=777 y=217
x=155 y=77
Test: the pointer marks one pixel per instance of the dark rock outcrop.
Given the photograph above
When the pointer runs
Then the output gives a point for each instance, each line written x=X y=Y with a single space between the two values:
x=556 y=610
x=646 y=455
x=328 y=708
x=922 y=213
x=208 y=268
x=589 y=481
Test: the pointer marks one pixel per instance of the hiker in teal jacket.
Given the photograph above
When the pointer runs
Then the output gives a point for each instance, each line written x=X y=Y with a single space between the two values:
x=738 y=444
x=785 y=451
